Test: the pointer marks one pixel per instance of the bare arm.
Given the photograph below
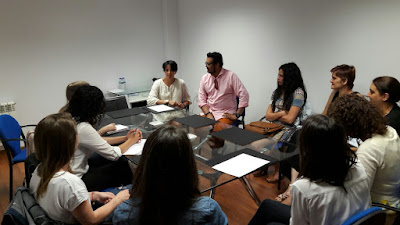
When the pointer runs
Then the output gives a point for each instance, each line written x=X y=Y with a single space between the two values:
x=133 y=137
x=272 y=116
x=85 y=214
x=328 y=103
x=205 y=110
x=290 y=117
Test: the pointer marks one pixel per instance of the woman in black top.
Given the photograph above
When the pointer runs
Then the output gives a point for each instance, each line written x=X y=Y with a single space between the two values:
x=384 y=92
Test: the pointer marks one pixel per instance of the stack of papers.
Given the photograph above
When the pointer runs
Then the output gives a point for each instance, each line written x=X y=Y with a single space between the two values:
x=136 y=149
x=240 y=165
x=160 y=108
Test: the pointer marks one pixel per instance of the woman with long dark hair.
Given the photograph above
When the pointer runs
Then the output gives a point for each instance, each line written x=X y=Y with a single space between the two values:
x=380 y=150
x=165 y=185
x=286 y=107
x=61 y=194
x=384 y=92
x=333 y=185
x=289 y=97
x=86 y=107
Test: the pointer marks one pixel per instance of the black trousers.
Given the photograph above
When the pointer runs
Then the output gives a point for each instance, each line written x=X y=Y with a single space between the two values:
x=104 y=173
x=271 y=212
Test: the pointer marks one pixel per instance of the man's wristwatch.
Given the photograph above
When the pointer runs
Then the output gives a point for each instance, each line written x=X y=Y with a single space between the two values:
x=166 y=102
x=207 y=113
x=237 y=115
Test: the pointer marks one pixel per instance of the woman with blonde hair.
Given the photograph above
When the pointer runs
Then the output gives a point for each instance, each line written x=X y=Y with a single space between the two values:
x=61 y=194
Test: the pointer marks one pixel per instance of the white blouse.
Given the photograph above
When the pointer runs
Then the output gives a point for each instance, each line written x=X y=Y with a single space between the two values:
x=380 y=155
x=322 y=203
x=177 y=91
x=90 y=141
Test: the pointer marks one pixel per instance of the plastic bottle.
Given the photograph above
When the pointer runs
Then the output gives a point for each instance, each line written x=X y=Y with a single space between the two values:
x=122 y=83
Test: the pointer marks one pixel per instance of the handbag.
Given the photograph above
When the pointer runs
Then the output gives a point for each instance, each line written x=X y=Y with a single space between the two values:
x=264 y=128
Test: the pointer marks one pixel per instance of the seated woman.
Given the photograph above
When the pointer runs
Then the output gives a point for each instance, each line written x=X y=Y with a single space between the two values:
x=380 y=151
x=288 y=98
x=285 y=107
x=165 y=186
x=86 y=107
x=169 y=90
x=384 y=92
x=333 y=185
x=342 y=83
x=61 y=194
x=71 y=88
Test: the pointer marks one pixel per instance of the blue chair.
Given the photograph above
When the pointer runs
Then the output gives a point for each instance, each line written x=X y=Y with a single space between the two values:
x=11 y=136
x=371 y=216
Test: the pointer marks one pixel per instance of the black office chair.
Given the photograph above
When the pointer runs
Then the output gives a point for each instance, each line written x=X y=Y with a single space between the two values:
x=117 y=103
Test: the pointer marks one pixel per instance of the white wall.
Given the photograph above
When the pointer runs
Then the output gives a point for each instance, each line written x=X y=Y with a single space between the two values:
x=46 y=44
x=256 y=37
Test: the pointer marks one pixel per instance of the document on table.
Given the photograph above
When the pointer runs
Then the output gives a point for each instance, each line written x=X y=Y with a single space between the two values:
x=136 y=149
x=118 y=128
x=240 y=165
x=160 y=108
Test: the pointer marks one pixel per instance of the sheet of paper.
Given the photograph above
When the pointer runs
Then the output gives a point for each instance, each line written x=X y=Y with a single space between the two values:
x=136 y=149
x=116 y=91
x=118 y=128
x=160 y=108
x=240 y=165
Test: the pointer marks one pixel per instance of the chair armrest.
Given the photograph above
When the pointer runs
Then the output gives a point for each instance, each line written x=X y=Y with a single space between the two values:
x=13 y=139
x=29 y=125
x=385 y=206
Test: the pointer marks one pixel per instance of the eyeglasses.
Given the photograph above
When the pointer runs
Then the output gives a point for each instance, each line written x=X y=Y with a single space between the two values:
x=208 y=64
x=216 y=84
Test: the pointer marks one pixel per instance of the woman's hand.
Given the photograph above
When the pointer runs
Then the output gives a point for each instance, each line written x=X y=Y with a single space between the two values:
x=122 y=196
x=134 y=134
x=102 y=197
x=109 y=127
x=172 y=103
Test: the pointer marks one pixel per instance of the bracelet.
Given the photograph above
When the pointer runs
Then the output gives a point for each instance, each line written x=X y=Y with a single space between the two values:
x=207 y=113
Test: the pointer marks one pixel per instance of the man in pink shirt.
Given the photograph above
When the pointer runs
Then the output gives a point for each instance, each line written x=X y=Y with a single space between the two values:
x=218 y=91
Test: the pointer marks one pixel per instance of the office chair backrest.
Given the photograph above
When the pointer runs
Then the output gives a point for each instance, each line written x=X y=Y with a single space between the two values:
x=117 y=103
x=10 y=129
x=371 y=216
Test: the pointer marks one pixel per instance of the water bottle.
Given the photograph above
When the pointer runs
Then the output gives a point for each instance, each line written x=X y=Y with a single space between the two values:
x=122 y=83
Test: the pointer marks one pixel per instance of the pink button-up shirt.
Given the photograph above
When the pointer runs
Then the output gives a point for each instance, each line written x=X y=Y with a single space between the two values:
x=222 y=100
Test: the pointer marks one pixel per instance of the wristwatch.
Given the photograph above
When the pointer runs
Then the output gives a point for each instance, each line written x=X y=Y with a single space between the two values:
x=166 y=102
x=237 y=115
x=207 y=113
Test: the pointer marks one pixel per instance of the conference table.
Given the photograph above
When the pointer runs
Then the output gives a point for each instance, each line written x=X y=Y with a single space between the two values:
x=210 y=148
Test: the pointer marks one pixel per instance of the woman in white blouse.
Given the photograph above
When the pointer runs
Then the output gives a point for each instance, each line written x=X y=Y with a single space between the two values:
x=333 y=185
x=169 y=90
x=380 y=150
x=86 y=107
